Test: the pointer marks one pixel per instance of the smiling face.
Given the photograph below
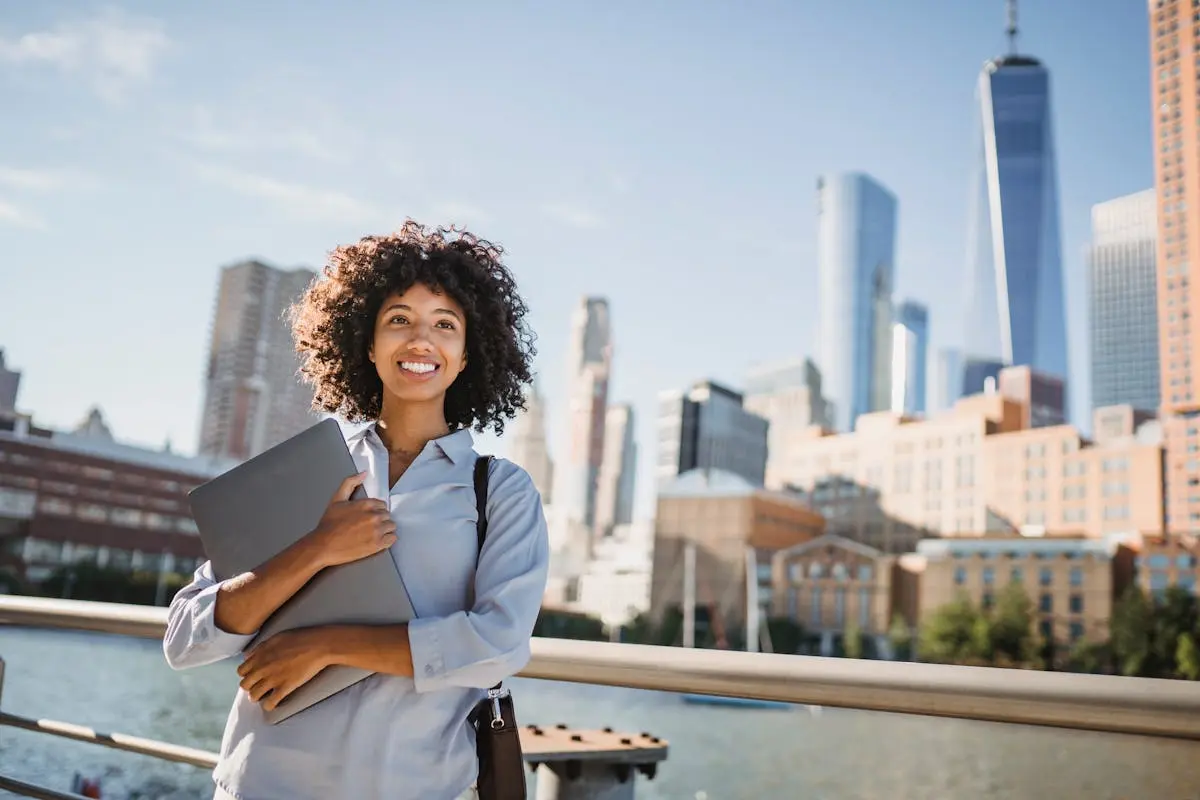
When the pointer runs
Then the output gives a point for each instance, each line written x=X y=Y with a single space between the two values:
x=420 y=345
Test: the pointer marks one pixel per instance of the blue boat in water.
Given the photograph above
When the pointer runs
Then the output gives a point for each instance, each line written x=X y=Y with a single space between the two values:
x=737 y=702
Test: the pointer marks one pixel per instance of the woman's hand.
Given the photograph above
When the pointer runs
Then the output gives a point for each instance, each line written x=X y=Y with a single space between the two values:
x=352 y=529
x=282 y=664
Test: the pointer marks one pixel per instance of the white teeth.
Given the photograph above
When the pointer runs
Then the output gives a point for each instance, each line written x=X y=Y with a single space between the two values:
x=417 y=366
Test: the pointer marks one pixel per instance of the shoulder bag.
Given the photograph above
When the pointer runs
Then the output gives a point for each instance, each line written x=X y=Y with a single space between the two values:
x=497 y=738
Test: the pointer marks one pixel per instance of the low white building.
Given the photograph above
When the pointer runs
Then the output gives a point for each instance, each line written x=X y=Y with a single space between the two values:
x=615 y=584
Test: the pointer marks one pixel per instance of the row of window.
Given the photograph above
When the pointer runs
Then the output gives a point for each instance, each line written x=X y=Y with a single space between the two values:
x=125 y=517
x=43 y=552
x=838 y=571
x=94 y=473
x=816 y=611
x=1045 y=603
x=1017 y=575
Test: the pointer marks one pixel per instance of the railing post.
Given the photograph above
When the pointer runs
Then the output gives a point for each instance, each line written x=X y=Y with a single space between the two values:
x=585 y=780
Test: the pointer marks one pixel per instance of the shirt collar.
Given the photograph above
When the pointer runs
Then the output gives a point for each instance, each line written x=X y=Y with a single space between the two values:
x=457 y=445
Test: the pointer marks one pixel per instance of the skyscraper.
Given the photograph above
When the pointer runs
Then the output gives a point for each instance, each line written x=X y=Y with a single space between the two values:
x=856 y=244
x=707 y=427
x=529 y=447
x=1174 y=85
x=10 y=383
x=1123 y=295
x=910 y=357
x=253 y=395
x=589 y=366
x=947 y=383
x=1015 y=309
x=789 y=396
x=618 y=471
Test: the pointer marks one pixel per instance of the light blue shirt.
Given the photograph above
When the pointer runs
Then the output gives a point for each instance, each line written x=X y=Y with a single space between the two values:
x=388 y=736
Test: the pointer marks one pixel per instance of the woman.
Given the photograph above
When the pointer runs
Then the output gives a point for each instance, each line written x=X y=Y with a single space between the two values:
x=411 y=338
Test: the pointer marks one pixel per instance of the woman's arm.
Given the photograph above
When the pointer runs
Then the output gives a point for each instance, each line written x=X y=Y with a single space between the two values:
x=490 y=642
x=210 y=620
x=193 y=638
x=476 y=648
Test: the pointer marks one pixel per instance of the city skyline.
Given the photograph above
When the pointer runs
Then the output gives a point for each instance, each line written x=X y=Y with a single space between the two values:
x=199 y=177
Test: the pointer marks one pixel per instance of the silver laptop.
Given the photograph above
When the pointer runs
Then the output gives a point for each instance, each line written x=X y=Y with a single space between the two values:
x=259 y=508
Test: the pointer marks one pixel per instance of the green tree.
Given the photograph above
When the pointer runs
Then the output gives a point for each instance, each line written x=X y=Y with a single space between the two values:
x=1010 y=632
x=1090 y=657
x=786 y=635
x=956 y=633
x=1174 y=616
x=1130 y=632
x=900 y=637
x=670 y=628
x=1187 y=657
x=639 y=630
x=852 y=641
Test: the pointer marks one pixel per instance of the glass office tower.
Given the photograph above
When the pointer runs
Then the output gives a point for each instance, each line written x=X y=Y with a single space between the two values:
x=1015 y=305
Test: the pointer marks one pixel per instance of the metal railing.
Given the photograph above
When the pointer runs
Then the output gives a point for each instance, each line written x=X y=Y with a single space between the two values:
x=1105 y=703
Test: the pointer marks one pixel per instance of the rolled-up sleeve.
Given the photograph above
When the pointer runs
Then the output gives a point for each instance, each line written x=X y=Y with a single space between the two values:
x=490 y=642
x=193 y=638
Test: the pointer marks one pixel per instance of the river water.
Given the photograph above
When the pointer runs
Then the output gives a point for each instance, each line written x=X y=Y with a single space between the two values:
x=118 y=684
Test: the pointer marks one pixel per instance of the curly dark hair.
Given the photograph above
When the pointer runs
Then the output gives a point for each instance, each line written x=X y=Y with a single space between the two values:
x=334 y=321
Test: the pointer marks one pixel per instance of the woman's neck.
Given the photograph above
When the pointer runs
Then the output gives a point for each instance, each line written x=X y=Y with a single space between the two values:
x=407 y=427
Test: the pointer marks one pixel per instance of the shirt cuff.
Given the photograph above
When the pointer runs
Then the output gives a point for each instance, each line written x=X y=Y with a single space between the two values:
x=206 y=634
x=425 y=647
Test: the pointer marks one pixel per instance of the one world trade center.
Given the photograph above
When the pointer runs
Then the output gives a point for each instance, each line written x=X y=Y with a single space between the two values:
x=1015 y=306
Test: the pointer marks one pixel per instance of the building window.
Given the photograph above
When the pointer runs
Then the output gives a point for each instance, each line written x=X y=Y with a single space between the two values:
x=1076 y=604
x=987 y=601
x=864 y=609
x=960 y=575
x=1076 y=576
x=839 y=607
x=1046 y=604
x=864 y=572
x=1046 y=629
x=1045 y=576
x=1018 y=575
x=53 y=505
x=989 y=576
x=1076 y=631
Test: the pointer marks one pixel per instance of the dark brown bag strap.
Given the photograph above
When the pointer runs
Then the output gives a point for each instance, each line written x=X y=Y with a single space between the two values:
x=482 y=465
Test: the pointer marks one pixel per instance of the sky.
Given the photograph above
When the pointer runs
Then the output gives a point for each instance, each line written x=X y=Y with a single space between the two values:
x=661 y=154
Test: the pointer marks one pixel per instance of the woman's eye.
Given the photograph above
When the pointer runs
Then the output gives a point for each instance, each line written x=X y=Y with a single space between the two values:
x=397 y=320
x=446 y=324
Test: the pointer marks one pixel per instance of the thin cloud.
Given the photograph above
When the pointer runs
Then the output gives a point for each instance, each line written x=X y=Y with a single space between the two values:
x=112 y=51
x=204 y=132
x=449 y=211
x=19 y=218
x=39 y=180
x=574 y=216
x=296 y=199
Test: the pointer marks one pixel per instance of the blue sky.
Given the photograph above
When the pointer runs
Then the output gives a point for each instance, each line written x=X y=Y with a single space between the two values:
x=663 y=154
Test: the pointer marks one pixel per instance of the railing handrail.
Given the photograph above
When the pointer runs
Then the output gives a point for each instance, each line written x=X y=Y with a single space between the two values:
x=1145 y=706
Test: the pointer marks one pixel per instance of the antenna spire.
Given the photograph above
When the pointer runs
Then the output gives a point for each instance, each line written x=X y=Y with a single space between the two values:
x=1011 y=30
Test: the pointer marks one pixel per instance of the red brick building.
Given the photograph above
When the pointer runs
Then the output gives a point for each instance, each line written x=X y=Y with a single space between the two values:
x=82 y=498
